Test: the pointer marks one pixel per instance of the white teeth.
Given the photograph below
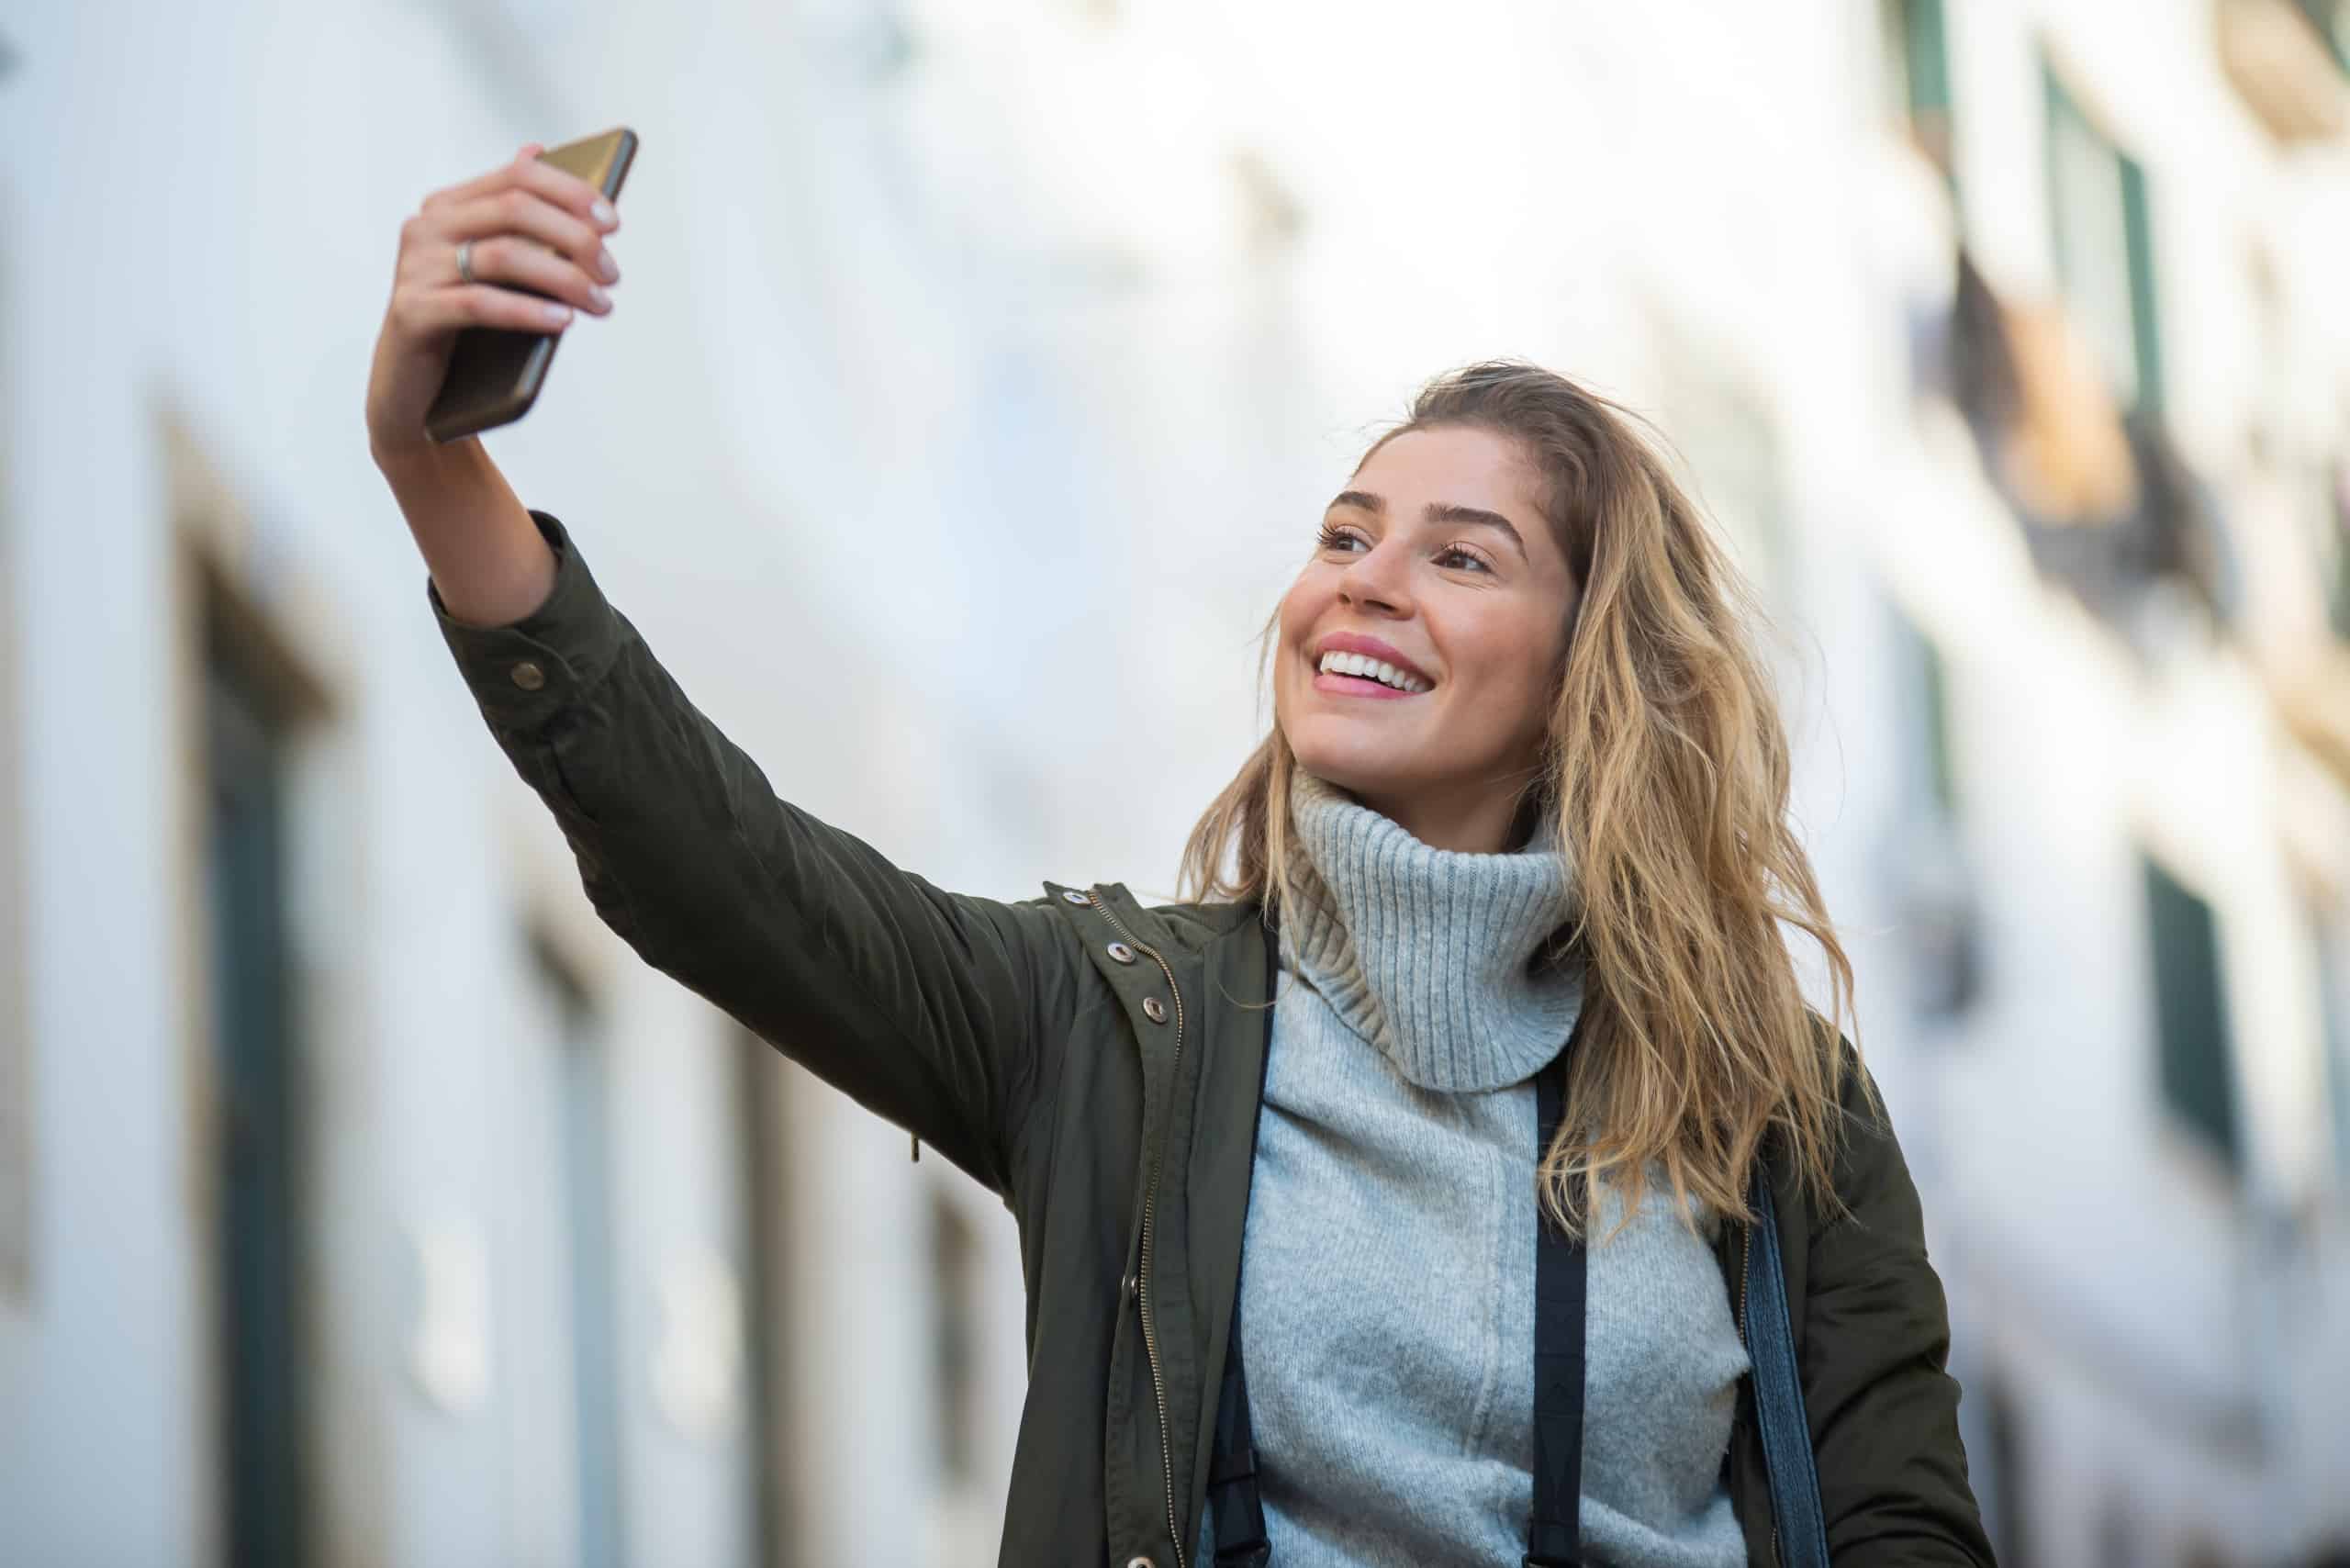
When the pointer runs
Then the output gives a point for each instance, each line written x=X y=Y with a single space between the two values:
x=1377 y=669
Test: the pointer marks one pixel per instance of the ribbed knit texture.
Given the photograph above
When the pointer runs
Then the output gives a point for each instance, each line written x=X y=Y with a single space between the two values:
x=1423 y=952
x=1387 y=1273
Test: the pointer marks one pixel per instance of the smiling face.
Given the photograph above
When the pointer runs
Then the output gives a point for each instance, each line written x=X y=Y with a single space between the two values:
x=1436 y=562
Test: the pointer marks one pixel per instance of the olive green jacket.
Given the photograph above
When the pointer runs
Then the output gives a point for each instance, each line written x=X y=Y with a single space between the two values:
x=1096 y=1063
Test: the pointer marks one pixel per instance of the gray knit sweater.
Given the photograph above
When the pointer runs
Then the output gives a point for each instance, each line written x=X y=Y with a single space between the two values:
x=1387 y=1270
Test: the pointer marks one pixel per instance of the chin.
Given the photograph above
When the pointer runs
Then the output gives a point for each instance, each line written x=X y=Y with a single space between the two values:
x=1348 y=767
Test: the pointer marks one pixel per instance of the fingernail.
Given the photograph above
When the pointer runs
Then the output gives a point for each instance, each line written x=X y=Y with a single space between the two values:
x=604 y=213
x=604 y=301
x=607 y=268
x=557 y=315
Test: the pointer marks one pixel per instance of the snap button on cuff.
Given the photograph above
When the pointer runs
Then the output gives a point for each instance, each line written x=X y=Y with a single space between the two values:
x=1073 y=896
x=1121 y=952
x=529 y=676
x=1154 y=1010
x=1140 y=1563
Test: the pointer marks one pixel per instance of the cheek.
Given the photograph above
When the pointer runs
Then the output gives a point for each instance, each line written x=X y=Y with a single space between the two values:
x=1511 y=665
x=1300 y=608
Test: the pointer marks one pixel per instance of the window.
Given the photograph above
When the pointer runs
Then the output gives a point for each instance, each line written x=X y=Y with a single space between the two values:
x=1724 y=432
x=1939 y=919
x=2333 y=1011
x=2104 y=247
x=2333 y=549
x=954 y=1302
x=2117 y=1532
x=2195 y=1066
x=584 y=1152
x=1917 y=64
x=2007 y=1501
x=765 y=1250
x=15 y=1018
x=257 y=1160
x=558 y=1353
x=1735 y=451
x=1930 y=721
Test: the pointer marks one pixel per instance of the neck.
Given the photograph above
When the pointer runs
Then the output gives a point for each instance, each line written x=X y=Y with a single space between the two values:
x=1476 y=820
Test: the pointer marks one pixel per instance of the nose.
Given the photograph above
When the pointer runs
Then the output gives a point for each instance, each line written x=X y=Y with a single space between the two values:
x=1377 y=579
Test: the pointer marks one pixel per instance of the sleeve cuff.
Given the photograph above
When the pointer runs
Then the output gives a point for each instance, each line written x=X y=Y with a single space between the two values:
x=524 y=673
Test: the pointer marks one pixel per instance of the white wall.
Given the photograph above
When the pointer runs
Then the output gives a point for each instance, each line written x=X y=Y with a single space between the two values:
x=959 y=424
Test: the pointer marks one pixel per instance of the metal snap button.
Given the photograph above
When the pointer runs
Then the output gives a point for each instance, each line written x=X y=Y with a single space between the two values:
x=529 y=676
x=1140 y=1563
x=1127 y=1287
x=1121 y=952
x=1073 y=896
x=1154 y=1010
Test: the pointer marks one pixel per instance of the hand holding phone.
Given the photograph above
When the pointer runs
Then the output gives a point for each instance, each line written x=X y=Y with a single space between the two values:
x=458 y=355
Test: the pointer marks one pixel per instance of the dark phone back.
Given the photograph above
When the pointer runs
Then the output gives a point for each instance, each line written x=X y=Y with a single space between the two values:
x=494 y=375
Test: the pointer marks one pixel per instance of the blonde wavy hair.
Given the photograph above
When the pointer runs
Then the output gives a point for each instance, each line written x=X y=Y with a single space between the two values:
x=1666 y=769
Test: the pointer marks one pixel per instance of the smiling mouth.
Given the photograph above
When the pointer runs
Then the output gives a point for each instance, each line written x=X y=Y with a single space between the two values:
x=1359 y=675
x=1337 y=675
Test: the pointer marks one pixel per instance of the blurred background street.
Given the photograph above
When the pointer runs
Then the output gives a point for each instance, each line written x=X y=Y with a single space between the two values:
x=365 y=1201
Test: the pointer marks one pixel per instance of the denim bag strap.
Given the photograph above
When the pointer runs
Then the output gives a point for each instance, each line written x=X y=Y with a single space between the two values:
x=1778 y=1394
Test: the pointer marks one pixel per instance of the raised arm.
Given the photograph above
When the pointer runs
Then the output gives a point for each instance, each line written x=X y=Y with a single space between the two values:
x=937 y=1009
x=928 y=1007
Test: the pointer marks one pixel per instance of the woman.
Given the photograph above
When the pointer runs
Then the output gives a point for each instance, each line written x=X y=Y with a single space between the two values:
x=1515 y=853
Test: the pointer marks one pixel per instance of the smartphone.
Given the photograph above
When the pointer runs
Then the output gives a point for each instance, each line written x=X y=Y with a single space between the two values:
x=495 y=373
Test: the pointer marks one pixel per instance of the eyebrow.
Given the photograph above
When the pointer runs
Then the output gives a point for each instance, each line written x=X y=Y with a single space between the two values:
x=1435 y=511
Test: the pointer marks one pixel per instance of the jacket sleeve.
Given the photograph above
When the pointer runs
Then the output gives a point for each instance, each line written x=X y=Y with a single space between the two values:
x=1882 y=1405
x=928 y=1007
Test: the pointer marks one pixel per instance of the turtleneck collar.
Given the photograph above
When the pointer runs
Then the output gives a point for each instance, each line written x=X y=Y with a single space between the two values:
x=1427 y=953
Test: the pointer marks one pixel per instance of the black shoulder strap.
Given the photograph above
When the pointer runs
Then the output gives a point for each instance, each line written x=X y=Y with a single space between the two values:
x=1778 y=1394
x=1233 y=1499
x=1554 y=1538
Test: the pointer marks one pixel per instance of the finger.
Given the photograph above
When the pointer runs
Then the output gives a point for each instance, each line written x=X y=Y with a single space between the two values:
x=423 y=312
x=566 y=190
x=524 y=263
x=528 y=169
x=518 y=211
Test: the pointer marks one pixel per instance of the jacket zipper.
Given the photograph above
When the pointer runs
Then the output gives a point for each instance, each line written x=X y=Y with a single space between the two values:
x=1142 y=1269
x=1746 y=1246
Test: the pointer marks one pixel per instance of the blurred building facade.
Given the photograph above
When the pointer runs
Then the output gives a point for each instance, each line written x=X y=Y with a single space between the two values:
x=362 y=1201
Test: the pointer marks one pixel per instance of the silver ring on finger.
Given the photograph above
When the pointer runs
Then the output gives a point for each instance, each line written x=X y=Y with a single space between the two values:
x=465 y=261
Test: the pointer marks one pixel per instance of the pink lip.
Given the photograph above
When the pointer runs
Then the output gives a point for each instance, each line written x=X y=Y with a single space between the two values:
x=1369 y=647
x=1357 y=686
